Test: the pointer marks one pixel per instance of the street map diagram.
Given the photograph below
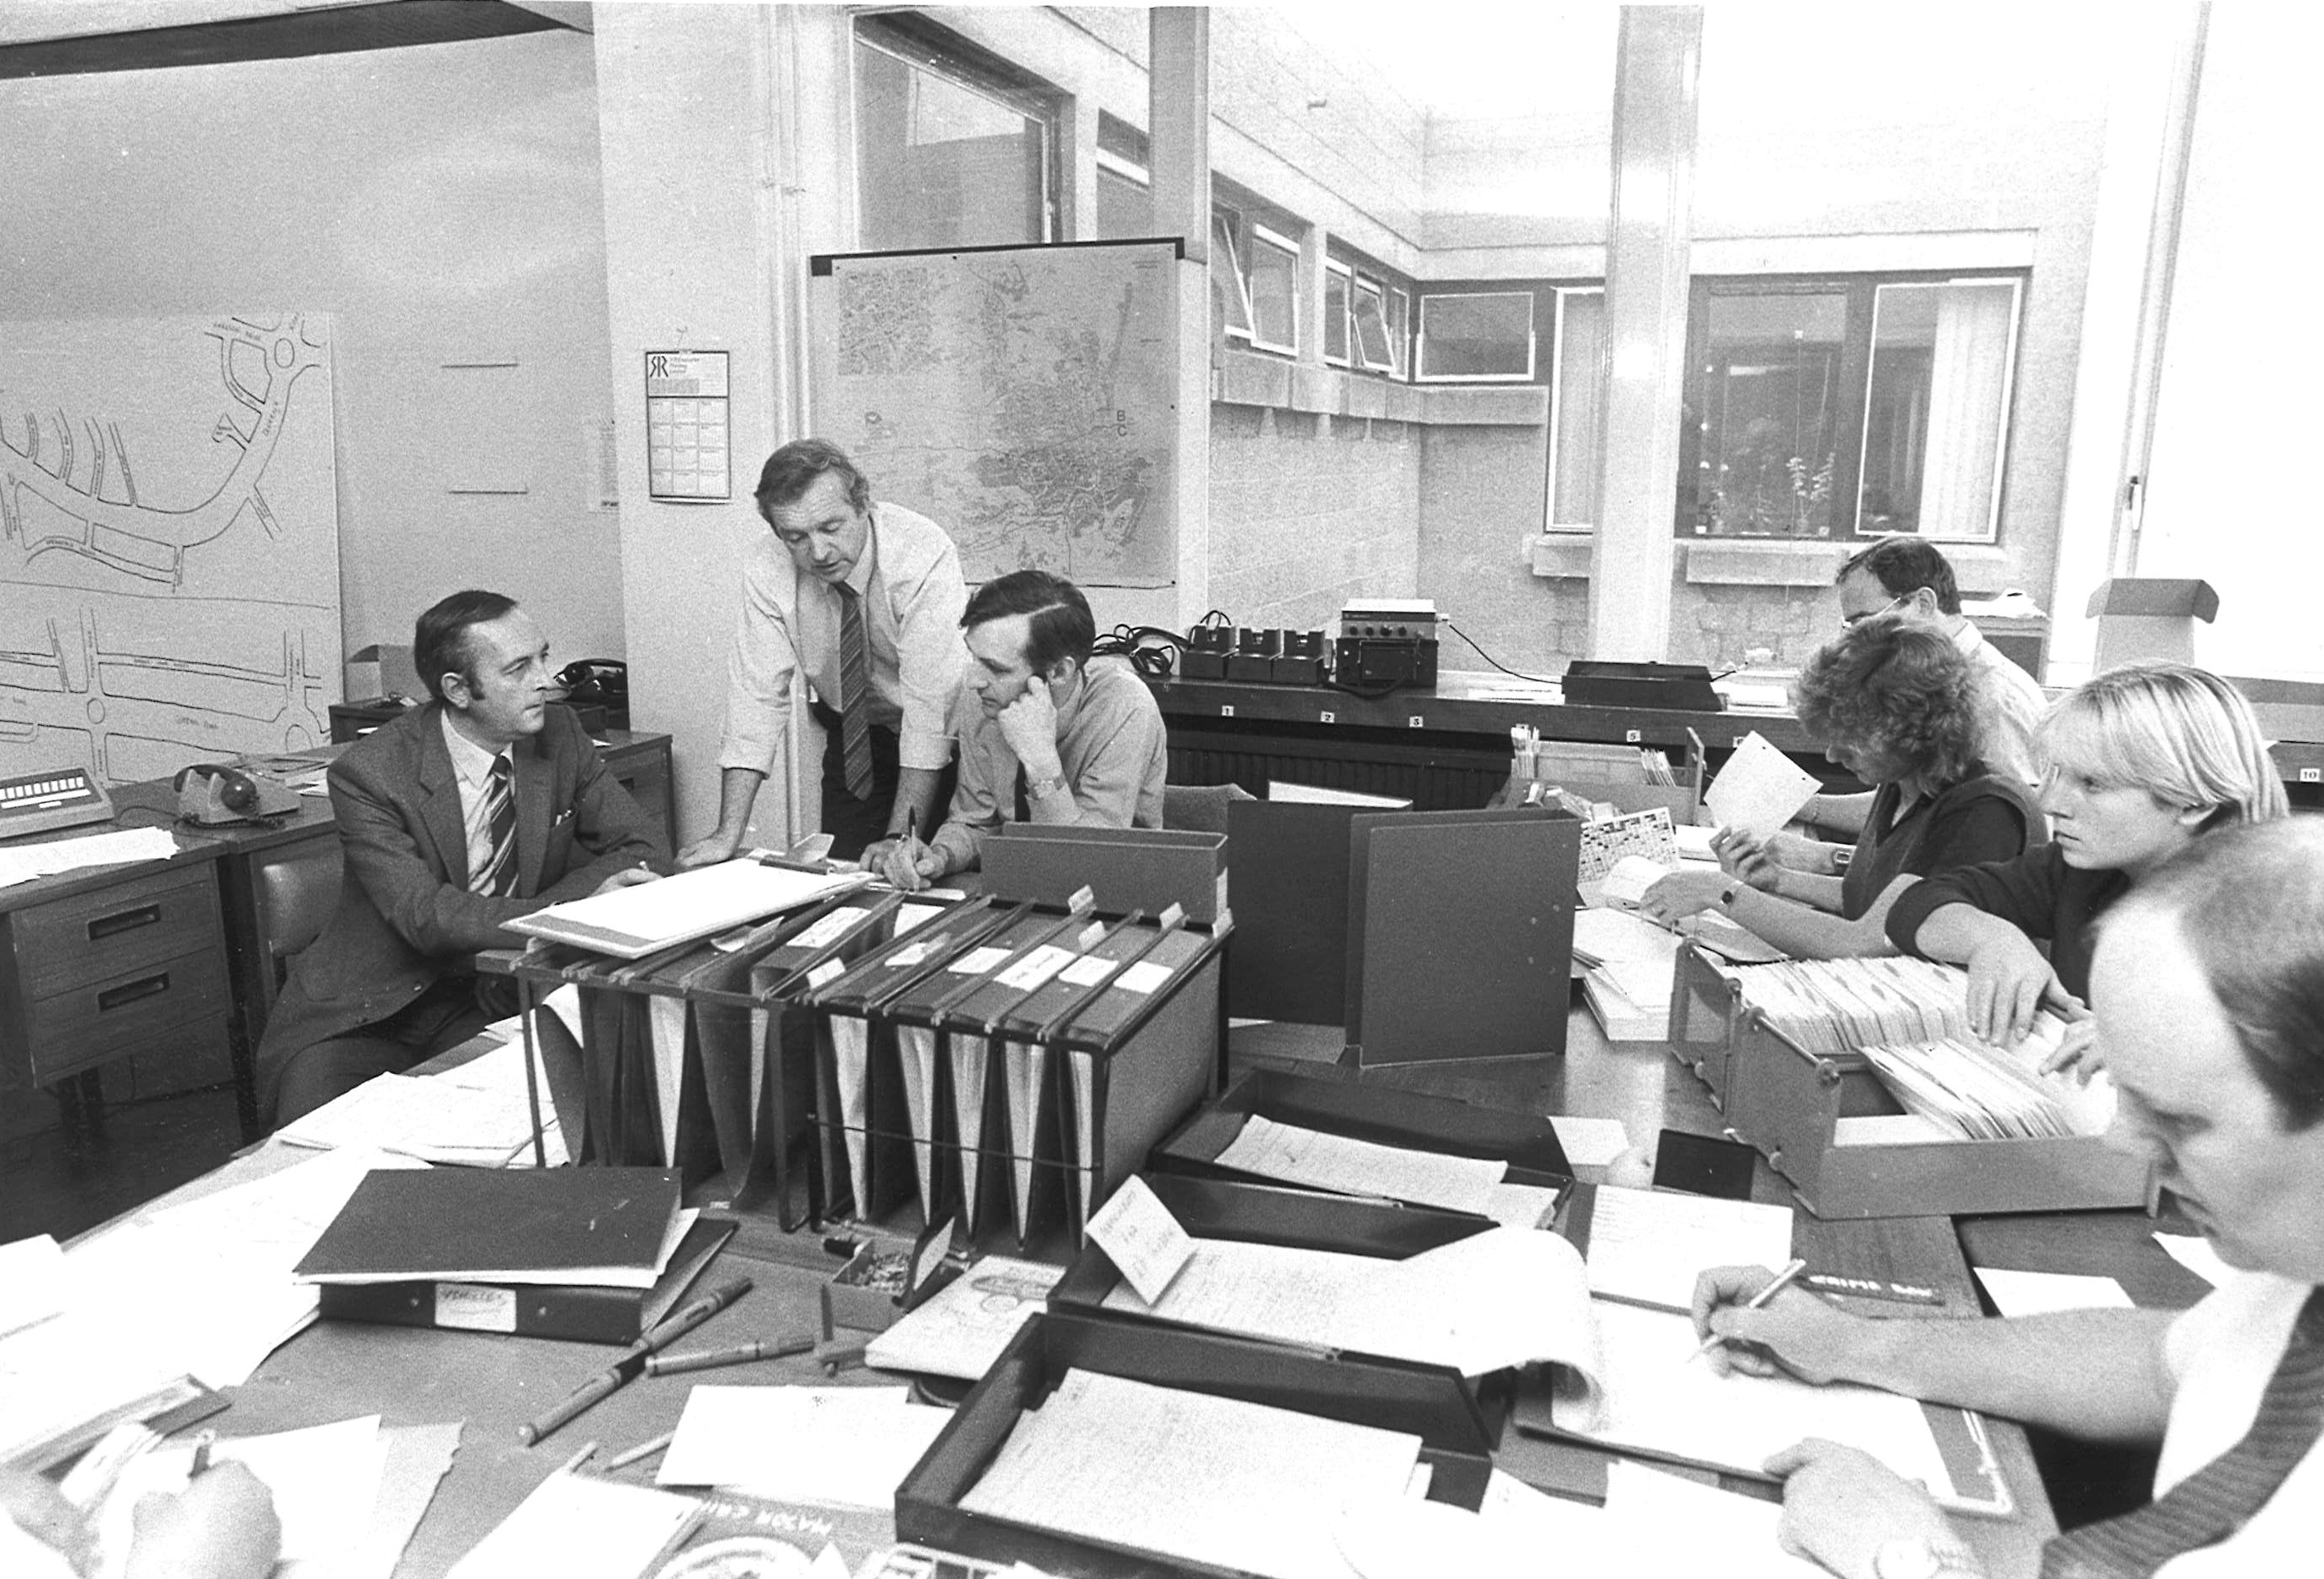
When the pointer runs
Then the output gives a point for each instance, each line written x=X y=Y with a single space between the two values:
x=169 y=542
x=1025 y=399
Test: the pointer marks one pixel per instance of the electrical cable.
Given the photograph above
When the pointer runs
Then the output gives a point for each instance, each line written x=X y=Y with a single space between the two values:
x=1446 y=621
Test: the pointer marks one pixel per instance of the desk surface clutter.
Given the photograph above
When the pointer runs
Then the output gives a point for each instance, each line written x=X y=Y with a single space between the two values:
x=1299 y=1378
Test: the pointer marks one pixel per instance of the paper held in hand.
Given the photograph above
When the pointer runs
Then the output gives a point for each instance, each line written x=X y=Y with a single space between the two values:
x=1760 y=789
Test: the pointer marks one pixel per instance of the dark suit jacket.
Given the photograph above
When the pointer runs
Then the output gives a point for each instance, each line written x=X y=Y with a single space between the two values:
x=405 y=915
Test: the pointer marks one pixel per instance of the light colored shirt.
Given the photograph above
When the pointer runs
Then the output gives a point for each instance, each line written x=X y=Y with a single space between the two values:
x=26 y=1558
x=472 y=765
x=2012 y=704
x=2220 y=1356
x=1110 y=744
x=909 y=579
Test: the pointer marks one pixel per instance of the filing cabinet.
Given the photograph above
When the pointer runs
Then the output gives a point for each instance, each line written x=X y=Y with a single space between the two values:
x=134 y=967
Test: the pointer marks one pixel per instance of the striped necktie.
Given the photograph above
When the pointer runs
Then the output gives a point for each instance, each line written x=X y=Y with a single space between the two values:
x=2218 y=1499
x=497 y=876
x=855 y=693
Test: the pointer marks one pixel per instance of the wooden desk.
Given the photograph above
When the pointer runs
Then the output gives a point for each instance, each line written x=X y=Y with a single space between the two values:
x=156 y=967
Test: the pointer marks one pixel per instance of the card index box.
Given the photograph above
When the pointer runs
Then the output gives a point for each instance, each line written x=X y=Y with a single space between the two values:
x=1790 y=1105
x=1460 y=934
x=1427 y=1401
x=1124 y=869
x=1527 y=1143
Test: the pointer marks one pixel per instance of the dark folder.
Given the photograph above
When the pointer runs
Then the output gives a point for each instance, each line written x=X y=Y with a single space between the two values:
x=578 y=1312
x=1289 y=861
x=450 y=1223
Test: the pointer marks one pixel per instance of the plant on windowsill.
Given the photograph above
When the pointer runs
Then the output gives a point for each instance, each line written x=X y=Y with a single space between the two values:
x=1808 y=490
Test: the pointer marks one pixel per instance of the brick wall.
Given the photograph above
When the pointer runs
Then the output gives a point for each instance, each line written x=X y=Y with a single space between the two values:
x=1308 y=513
x=1481 y=491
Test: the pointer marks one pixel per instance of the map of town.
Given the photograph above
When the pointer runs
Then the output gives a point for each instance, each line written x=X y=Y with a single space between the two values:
x=169 y=542
x=1024 y=398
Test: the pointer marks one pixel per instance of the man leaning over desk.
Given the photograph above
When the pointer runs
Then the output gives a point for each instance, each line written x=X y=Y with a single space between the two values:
x=482 y=806
x=865 y=598
x=2209 y=988
x=1047 y=733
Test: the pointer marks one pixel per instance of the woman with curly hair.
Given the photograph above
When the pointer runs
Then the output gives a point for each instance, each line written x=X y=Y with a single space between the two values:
x=1897 y=705
x=2141 y=761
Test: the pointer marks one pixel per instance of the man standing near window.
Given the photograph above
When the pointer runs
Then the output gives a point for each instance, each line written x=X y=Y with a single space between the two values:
x=866 y=599
x=1047 y=734
x=1906 y=576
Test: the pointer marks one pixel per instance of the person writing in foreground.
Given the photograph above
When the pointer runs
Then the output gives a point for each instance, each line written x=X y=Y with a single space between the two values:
x=483 y=806
x=222 y=1526
x=1047 y=733
x=2208 y=980
x=2143 y=760
x=1897 y=705
x=863 y=597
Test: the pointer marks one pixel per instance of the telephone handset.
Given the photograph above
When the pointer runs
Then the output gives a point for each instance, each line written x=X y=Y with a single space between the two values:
x=602 y=681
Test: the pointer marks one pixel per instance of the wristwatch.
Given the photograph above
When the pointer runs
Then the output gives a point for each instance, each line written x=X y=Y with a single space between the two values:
x=1925 y=1556
x=1035 y=789
x=1727 y=896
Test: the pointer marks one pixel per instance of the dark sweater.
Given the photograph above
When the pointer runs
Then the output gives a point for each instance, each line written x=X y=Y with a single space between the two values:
x=2038 y=894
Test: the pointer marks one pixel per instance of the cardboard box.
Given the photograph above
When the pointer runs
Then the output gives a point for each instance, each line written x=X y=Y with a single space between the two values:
x=384 y=669
x=2143 y=618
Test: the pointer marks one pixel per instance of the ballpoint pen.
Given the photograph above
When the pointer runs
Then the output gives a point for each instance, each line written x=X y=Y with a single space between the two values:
x=1782 y=1281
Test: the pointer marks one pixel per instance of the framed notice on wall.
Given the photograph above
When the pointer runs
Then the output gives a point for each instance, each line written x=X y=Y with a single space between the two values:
x=686 y=427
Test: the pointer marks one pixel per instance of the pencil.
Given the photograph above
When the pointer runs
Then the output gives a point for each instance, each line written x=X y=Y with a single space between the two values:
x=1782 y=1279
x=645 y=1449
x=589 y=1450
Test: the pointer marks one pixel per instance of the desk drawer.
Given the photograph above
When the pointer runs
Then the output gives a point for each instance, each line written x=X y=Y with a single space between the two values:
x=100 y=1020
x=102 y=935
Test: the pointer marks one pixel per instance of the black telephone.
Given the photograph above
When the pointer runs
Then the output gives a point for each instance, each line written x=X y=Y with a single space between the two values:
x=598 y=683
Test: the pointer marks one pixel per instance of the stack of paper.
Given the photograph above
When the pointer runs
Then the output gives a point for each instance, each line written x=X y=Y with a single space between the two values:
x=1632 y=966
x=1240 y=1486
x=22 y=863
x=476 y=1115
x=579 y=1527
x=1347 y=1166
x=1647 y=1245
x=637 y=921
x=962 y=1328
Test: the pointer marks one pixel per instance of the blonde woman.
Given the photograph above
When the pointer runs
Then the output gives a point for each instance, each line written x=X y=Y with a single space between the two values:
x=2140 y=762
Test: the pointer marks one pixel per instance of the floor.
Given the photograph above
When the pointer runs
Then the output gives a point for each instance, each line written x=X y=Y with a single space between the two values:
x=66 y=1166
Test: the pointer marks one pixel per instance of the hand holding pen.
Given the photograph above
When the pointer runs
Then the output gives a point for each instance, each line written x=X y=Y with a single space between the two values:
x=1746 y=1328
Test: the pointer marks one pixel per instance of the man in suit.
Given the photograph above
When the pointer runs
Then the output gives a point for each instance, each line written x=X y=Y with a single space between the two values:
x=457 y=818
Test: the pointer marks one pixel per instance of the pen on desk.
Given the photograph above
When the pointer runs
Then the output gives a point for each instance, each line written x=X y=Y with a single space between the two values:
x=645 y=1449
x=589 y=1450
x=1782 y=1279
x=741 y=1354
x=632 y=1360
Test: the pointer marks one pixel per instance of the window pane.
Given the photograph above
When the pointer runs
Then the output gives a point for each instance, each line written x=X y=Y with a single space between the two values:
x=1581 y=343
x=1124 y=208
x=1371 y=329
x=1335 y=318
x=1488 y=336
x=1229 y=291
x=1770 y=413
x=1936 y=400
x=941 y=164
x=1274 y=295
x=1399 y=329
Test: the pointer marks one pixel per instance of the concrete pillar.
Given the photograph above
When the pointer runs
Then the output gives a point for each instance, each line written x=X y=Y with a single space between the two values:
x=1178 y=139
x=1651 y=231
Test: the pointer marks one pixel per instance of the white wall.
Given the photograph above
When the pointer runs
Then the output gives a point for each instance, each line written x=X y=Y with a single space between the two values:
x=2236 y=417
x=439 y=202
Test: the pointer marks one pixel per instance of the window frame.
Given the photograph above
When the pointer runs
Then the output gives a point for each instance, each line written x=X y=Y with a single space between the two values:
x=1378 y=288
x=926 y=47
x=1226 y=227
x=1852 y=384
x=1528 y=289
x=2017 y=280
x=1556 y=383
x=1346 y=275
x=1259 y=233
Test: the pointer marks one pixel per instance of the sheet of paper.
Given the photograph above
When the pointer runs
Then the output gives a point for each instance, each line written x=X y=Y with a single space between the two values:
x=962 y=1328
x=1505 y=1297
x=581 y=1526
x=418 y=1458
x=1649 y=1245
x=845 y=1445
x=1760 y=789
x=436 y=1118
x=1689 y=1528
x=1695 y=844
x=2194 y=1252
x=1522 y=1205
x=1589 y=1143
x=1146 y=1241
x=636 y=920
x=1213 y=1480
x=1626 y=880
x=1658 y=1399
x=1354 y=1167
x=23 y=862
x=2018 y=1293
x=33 y=1282
x=325 y=1479
x=1606 y=936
